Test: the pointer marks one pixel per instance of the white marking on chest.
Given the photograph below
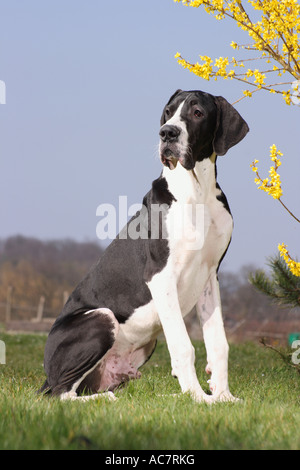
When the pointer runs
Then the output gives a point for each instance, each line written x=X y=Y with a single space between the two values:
x=190 y=268
x=207 y=230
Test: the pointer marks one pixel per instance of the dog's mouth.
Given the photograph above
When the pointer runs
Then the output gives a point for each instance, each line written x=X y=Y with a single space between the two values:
x=169 y=160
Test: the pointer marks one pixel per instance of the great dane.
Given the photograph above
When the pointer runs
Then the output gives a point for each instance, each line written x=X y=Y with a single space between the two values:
x=162 y=264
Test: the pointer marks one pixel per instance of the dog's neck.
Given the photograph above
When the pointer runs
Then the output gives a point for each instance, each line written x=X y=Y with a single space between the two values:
x=192 y=185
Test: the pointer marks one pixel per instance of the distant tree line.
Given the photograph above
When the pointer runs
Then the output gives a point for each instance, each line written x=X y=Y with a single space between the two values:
x=32 y=268
x=241 y=300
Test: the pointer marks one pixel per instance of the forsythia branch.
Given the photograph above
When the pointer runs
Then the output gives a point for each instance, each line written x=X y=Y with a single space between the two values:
x=293 y=265
x=272 y=187
x=275 y=36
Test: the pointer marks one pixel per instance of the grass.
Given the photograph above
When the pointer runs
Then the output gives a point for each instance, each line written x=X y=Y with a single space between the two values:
x=145 y=416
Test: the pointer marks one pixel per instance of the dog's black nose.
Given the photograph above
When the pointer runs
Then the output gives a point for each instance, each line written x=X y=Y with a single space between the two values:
x=169 y=133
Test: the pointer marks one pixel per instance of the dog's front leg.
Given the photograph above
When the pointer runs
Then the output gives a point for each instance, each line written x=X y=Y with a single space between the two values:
x=164 y=293
x=210 y=315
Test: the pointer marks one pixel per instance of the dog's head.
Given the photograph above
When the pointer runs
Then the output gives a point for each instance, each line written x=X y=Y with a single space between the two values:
x=195 y=124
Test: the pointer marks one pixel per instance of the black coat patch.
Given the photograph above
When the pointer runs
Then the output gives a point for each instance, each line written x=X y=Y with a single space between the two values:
x=75 y=344
x=118 y=280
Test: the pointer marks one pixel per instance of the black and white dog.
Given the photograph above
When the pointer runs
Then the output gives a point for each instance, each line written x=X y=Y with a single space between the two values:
x=145 y=284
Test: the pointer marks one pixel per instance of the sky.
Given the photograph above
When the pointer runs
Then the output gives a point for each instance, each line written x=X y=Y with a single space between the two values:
x=86 y=82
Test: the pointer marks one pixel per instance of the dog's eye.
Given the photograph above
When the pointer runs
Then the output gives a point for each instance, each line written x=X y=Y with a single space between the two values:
x=167 y=112
x=198 y=113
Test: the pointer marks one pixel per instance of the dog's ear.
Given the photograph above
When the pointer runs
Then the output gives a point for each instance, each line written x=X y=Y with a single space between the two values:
x=231 y=127
x=162 y=121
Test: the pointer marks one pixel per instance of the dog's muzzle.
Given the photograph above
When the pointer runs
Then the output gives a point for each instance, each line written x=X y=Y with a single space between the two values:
x=168 y=148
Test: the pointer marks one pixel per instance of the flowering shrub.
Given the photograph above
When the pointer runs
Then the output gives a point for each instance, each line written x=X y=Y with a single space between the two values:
x=272 y=186
x=274 y=36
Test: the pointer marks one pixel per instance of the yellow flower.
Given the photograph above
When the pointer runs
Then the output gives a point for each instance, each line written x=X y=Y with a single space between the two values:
x=254 y=167
x=272 y=185
x=221 y=63
x=287 y=97
x=294 y=266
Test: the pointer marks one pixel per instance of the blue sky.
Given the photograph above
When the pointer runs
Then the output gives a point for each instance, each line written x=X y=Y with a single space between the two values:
x=86 y=82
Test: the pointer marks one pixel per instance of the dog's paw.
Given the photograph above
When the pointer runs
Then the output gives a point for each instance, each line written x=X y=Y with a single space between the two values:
x=201 y=397
x=110 y=396
x=73 y=396
x=226 y=397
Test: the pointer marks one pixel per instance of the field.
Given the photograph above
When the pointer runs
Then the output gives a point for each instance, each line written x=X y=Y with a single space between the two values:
x=146 y=416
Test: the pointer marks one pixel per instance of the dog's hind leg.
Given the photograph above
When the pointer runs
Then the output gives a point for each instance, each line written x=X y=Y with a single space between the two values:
x=75 y=347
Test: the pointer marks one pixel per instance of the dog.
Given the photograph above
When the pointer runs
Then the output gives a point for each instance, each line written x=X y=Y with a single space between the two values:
x=143 y=285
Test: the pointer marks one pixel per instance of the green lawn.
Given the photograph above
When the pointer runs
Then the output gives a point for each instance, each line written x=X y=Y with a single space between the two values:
x=146 y=416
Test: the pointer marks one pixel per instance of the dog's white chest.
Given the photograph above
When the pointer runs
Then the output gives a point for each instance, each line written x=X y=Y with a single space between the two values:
x=198 y=252
x=199 y=230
